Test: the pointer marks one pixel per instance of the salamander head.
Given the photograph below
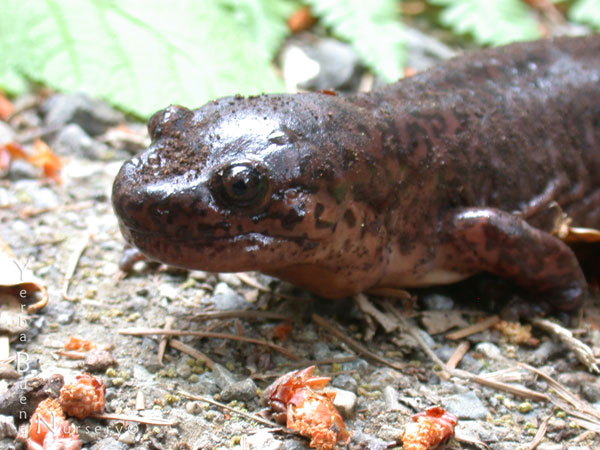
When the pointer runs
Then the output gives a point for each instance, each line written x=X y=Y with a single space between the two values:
x=249 y=184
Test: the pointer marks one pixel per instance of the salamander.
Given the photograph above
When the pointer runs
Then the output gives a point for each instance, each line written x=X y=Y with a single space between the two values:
x=427 y=181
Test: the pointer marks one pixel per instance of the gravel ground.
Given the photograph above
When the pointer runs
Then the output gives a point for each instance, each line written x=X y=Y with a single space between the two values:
x=47 y=225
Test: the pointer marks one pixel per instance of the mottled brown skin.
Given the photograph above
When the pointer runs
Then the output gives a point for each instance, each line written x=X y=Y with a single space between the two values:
x=427 y=181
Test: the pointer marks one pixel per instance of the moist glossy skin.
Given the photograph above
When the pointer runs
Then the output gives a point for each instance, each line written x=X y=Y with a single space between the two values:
x=427 y=181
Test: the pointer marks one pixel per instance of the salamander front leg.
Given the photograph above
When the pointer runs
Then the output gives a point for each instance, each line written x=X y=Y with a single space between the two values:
x=494 y=241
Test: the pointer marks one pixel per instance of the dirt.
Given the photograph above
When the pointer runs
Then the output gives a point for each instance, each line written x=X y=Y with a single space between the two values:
x=49 y=226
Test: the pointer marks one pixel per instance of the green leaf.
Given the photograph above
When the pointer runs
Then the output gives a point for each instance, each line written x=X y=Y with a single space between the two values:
x=372 y=27
x=586 y=11
x=491 y=22
x=142 y=56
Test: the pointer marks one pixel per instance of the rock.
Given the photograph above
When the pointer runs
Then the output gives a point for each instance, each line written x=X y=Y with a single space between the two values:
x=545 y=352
x=109 y=444
x=466 y=406
x=387 y=435
x=386 y=376
x=20 y=169
x=194 y=408
x=223 y=377
x=23 y=397
x=390 y=397
x=7 y=134
x=358 y=365
x=128 y=437
x=264 y=440
x=294 y=444
x=226 y=299
x=206 y=384
x=434 y=301
x=7 y=427
x=72 y=140
x=94 y=116
x=184 y=370
x=591 y=392
x=230 y=278
x=345 y=381
x=344 y=401
x=490 y=351
x=314 y=64
x=99 y=360
x=61 y=312
x=244 y=390
x=424 y=50
x=320 y=350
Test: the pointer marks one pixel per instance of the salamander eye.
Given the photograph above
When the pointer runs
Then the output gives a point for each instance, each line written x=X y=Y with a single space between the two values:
x=242 y=186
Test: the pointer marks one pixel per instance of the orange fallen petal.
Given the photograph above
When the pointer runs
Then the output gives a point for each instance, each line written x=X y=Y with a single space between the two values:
x=282 y=389
x=429 y=429
x=314 y=416
x=301 y=20
x=6 y=107
x=77 y=343
x=44 y=158
x=84 y=397
x=282 y=331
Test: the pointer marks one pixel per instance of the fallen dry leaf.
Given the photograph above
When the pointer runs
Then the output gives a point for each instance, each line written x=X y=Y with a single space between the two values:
x=17 y=283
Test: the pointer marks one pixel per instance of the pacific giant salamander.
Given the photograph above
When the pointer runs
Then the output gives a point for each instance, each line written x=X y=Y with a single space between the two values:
x=426 y=181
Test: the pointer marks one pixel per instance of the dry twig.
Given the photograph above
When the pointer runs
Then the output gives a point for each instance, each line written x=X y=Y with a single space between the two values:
x=358 y=348
x=164 y=340
x=569 y=402
x=516 y=390
x=203 y=334
x=189 y=350
x=539 y=436
x=583 y=352
x=458 y=354
x=383 y=319
x=475 y=328
x=80 y=246
x=251 y=281
x=241 y=314
x=235 y=411
x=138 y=419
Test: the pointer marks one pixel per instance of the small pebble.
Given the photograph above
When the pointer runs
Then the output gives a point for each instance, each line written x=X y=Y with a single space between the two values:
x=226 y=299
x=390 y=397
x=264 y=440
x=344 y=401
x=99 y=360
x=437 y=302
x=490 y=351
x=466 y=406
x=109 y=443
x=193 y=407
x=244 y=390
x=345 y=381
x=72 y=140
x=20 y=169
x=222 y=376
x=545 y=351
x=7 y=427
x=94 y=116
x=320 y=63
x=7 y=134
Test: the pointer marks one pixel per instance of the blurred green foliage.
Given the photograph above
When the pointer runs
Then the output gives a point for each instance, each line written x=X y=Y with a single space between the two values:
x=143 y=55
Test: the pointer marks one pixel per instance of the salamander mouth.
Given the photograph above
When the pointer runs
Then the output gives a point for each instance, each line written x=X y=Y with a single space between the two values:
x=242 y=252
x=211 y=238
